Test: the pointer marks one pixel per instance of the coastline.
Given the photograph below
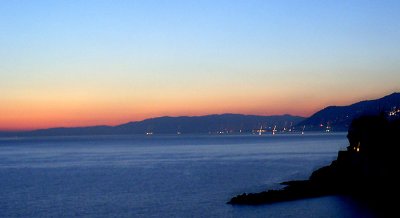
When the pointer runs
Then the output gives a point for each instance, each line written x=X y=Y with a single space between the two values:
x=366 y=171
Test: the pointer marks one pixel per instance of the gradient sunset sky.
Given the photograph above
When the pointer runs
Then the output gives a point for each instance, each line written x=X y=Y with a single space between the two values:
x=80 y=63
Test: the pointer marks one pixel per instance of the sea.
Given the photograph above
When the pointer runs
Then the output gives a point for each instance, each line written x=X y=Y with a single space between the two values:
x=165 y=175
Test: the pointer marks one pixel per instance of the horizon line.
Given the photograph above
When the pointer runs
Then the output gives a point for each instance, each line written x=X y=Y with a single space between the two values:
x=225 y=113
x=104 y=125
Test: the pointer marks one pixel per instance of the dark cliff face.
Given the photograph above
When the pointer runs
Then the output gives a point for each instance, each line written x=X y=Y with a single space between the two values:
x=367 y=134
x=367 y=170
x=371 y=158
x=375 y=139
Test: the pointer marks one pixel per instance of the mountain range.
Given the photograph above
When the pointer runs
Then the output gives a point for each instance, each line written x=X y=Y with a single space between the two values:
x=209 y=124
x=338 y=118
x=332 y=118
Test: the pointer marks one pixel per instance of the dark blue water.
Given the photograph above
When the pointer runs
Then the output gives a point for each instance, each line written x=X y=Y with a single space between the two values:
x=163 y=176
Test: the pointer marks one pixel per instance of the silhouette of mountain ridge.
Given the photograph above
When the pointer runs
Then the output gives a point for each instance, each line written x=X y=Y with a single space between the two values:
x=339 y=117
x=208 y=124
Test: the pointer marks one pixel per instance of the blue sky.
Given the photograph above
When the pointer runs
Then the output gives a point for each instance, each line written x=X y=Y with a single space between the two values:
x=116 y=61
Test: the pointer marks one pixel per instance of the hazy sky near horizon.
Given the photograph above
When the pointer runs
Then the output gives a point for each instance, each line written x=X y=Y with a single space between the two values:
x=79 y=63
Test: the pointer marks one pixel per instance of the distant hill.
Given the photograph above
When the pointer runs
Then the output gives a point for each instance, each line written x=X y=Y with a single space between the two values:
x=336 y=118
x=339 y=117
x=224 y=123
x=209 y=124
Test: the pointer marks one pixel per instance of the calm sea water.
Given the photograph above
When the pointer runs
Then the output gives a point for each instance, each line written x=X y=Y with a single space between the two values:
x=163 y=176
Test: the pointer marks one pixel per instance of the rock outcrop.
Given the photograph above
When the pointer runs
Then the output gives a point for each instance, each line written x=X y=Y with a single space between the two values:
x=367 y=170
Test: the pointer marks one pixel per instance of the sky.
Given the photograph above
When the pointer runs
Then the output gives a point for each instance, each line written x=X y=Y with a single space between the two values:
x=94 y=62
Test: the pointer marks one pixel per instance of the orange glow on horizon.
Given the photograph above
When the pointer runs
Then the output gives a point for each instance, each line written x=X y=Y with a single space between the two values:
x=67 y=69
x=49 y=111
x=29 y=116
